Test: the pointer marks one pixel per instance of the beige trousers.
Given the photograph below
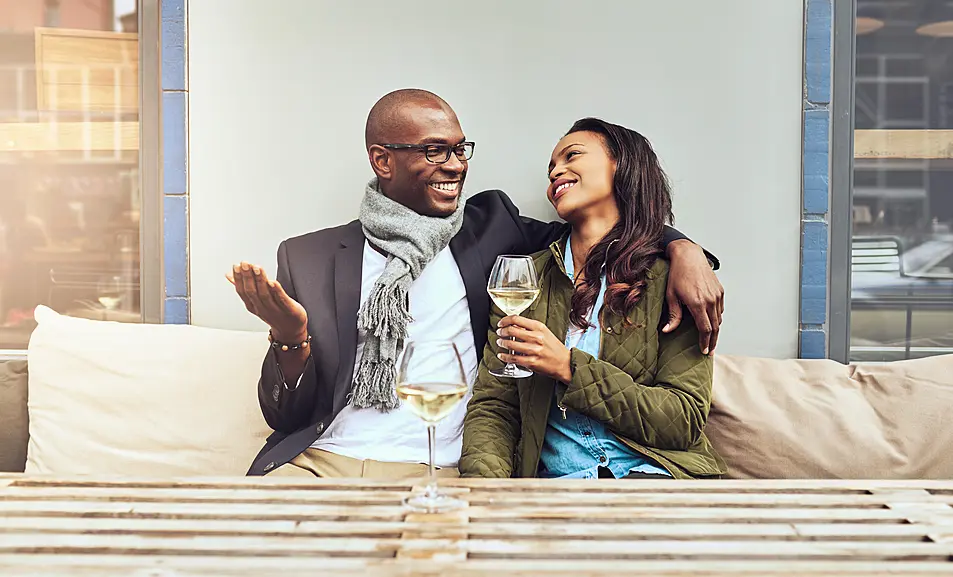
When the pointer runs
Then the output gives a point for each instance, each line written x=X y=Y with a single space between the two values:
x=319 y=463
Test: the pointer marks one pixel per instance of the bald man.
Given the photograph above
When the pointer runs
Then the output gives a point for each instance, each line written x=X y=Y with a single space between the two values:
x=413 y=266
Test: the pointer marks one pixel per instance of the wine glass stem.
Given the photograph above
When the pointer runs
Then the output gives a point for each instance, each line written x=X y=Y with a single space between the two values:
x=432 y=444
x=511 y=366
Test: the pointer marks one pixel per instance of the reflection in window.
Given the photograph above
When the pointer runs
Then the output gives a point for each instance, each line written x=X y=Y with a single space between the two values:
x=69 y=207
x=902 y=285
x=51 y=13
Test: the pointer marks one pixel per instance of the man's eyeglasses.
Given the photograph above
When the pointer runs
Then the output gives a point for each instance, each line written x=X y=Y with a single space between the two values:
x=438 y=153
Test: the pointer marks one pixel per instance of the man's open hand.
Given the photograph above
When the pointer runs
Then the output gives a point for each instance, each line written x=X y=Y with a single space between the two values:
x=266 y=300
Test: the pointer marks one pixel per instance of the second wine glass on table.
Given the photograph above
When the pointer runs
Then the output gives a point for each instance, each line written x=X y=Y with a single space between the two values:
x=513 y=287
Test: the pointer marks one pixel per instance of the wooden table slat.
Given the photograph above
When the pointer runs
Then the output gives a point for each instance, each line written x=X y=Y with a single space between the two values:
x=508 y=485
x=184 y=566
x=662 y=514
x=198 y=510
x=475 y=497
x=212 y=495
x=591 y=530
x=244 y=546
x=265 y=512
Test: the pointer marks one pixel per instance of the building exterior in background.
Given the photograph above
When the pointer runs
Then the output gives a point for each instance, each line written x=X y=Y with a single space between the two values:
x=83 y=201
x=24 y=16
x=69 y=206
x=902 y=268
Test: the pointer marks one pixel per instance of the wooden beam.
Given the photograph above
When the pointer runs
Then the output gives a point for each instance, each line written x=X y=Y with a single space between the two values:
x=68 y=136
x=903 y=144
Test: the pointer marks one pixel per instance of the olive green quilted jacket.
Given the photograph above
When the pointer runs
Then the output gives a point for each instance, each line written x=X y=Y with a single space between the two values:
x=653 y=390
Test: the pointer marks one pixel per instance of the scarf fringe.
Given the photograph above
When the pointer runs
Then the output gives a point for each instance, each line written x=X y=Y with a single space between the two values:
x=377 y=388
x=386 y=312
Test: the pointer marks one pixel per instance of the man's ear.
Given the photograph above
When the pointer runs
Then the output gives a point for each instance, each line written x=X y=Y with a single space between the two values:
x=381 y=162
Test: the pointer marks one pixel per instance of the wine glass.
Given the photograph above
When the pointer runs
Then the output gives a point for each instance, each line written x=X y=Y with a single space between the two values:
x=431 y=381
x=109 y=290
x=513 y=287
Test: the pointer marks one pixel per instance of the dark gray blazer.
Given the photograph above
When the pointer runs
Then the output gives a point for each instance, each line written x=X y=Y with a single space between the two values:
x=322 y=271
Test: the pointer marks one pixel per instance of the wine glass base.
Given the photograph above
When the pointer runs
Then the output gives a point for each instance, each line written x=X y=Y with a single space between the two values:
x=512 y=372
x=439 y=503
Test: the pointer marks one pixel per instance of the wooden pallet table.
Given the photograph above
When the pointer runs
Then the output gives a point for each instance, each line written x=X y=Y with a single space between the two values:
x=283 y=526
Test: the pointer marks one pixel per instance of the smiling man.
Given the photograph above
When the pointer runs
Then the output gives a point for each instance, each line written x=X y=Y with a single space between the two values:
x=413 y=266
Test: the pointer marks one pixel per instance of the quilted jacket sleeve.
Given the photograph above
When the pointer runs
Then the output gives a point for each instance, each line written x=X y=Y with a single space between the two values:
x=668 y=411
x=491 y=428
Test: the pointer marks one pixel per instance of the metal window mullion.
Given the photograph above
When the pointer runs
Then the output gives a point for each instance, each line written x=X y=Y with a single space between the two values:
x=151 y=288
x=842 y=178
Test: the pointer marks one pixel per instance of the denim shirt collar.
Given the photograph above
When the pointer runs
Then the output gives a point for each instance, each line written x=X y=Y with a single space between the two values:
x=562 y=250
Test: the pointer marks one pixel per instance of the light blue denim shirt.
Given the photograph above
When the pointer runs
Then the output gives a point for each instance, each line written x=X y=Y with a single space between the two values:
x=575 y=445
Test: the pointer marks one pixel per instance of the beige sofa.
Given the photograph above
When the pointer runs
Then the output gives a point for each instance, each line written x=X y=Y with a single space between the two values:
x=161 y=400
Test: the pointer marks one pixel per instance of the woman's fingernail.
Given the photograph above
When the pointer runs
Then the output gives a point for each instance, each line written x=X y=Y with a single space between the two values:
x=499 y=342
x=257 y=271
x=499 y=356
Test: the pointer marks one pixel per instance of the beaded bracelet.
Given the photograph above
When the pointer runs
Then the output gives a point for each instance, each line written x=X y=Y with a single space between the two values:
x=276 y=345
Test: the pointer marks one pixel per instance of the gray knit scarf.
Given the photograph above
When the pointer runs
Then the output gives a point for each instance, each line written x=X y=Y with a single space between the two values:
x=411 y=240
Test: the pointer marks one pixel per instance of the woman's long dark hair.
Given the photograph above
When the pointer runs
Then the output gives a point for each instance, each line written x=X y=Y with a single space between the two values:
x=629 y=250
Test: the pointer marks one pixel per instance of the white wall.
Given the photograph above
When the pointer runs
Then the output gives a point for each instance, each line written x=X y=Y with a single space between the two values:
x=279 y=92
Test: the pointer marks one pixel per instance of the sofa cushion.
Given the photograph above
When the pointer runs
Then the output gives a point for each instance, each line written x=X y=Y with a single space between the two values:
x=143 y=400
x=13 y=416
x=821 y=419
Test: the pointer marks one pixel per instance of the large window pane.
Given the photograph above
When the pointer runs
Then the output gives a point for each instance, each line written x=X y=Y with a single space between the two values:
x=69 y=182
x=902 y=253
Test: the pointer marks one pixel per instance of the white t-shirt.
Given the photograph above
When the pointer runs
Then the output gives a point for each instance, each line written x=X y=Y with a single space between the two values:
x=438 y=305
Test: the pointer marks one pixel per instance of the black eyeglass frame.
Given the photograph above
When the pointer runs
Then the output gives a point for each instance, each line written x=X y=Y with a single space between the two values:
x=432 y=150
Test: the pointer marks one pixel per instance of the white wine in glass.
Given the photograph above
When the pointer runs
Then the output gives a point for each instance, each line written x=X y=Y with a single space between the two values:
x=432 y=382
x=513 y=287
x=513 y=301
x=431 y=401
